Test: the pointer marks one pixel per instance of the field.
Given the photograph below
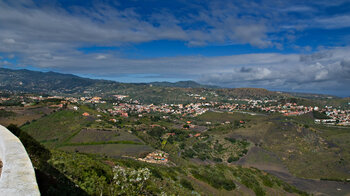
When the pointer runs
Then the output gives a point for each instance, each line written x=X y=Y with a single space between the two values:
x=103 y=135
x=111 y=150
x=56 y=129
x=70 y=131
x=21 y=115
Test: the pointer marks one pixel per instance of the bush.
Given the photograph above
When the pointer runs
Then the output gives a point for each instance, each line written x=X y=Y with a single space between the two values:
x=189 y=153
x=156 y=132
x=266 y=180
x=129 y=181
x=217 y=159
x=232 y=159
x=232 y=140
x=215 y=179
x=187 y=184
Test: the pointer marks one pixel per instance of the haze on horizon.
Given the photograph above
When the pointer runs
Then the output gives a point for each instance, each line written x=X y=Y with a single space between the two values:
x=301 y=46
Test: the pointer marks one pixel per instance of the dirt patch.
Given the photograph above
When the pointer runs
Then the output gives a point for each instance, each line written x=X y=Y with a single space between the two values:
x=262 y=159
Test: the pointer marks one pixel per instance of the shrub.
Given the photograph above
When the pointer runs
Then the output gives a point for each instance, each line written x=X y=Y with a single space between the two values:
x=232 y=140
x=215 y=179
x=232 y=159
x=129 y=181
x=217 y=159
x=187 y=184
x=266 y=180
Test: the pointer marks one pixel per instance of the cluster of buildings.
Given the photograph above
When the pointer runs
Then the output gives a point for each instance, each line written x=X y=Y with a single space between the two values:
x=123 y=109
x=336 y=116
x=158 y=157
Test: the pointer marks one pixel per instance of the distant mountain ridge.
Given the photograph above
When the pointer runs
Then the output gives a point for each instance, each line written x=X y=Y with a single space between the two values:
x=183 y=84
x=53 y=83
x=36 y=81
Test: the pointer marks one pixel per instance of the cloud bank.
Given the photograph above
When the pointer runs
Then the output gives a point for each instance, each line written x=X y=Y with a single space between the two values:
x=48 y=36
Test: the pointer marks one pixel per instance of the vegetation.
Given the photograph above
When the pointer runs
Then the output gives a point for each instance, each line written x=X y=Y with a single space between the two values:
x=4 y=113
x=98 y=154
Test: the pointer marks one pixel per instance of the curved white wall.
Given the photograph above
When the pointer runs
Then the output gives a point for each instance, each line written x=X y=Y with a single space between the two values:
x=17 y=176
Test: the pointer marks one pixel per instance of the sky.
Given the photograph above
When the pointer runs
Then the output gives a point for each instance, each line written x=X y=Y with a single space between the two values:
x=284 y=45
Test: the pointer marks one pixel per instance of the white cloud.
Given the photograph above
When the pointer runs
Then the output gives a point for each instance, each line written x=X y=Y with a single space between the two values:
x=8 y=41
x=48 y=37
x=100 y=57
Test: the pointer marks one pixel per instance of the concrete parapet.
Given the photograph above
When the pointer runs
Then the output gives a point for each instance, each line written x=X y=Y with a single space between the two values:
x=17 y=176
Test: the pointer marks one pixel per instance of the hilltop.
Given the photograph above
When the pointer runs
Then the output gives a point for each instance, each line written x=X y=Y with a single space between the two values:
x=53 y=83
x=183 y=84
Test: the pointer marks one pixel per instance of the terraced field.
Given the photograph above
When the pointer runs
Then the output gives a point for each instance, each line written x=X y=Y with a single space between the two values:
x=70 y=131
x=111 y=150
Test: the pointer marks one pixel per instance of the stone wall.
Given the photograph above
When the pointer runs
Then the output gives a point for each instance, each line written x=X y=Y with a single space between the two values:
x=17 y=176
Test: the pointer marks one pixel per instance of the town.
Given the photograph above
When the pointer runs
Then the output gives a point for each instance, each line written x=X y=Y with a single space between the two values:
x=123 y=106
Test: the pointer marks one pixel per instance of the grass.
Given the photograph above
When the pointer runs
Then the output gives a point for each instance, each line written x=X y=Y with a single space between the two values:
x=101 y=143
x=86 y=156
x=4 y=113
x=308 y=151
x=217 y=117
x=55 y=129
x=103 y=135
x=110 y=149
x=22 y=115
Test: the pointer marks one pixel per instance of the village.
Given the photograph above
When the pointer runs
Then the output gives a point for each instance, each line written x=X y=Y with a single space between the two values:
x=122 y=106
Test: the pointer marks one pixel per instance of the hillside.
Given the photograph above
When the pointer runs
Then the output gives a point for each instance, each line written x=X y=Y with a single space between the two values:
x=157 y=92
x=34 y=81
x=183 y=84
x=89 y=157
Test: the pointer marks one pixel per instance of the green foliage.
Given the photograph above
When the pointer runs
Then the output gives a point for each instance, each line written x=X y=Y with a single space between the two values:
x=214 y=178
x=127 y=181
x=232 y=159
x=319 y=115
x=249 y=180
x=156 y=132
x=266 y=180
x=231 y=139
x=57 y=128
x=217 y=159
x=37 y=152
x=4 y=113
x=187 y=184
x=100 y=143
x=91 y=175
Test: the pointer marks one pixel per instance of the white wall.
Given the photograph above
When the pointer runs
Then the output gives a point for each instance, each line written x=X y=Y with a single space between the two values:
x=17 y=176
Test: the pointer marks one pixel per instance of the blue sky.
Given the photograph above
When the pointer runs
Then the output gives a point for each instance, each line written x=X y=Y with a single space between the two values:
x=274 y=44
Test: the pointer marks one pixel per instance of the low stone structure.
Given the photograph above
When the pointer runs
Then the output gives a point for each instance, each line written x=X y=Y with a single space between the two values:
x=17 y=176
